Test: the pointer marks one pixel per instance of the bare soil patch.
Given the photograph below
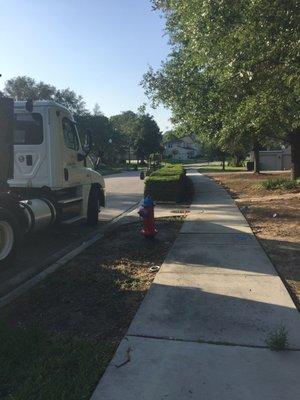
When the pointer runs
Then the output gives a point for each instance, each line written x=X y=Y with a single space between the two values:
x=274 y=216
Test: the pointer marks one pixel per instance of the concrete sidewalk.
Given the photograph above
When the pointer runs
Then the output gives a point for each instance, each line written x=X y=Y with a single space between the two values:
x=200 y=331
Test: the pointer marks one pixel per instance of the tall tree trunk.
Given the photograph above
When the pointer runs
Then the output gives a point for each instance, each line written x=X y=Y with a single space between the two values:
x=223 y=163
x=295 y=153
x=237 y=160
x=256 y=158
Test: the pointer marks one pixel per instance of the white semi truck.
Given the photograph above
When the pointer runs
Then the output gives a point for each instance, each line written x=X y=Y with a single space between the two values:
x=46 y=176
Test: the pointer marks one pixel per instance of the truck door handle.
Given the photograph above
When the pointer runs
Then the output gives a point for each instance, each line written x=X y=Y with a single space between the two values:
x=66 y=174
x=29 y=160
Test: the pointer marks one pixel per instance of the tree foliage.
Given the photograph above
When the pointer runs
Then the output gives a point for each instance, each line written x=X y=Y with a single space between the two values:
x=148 y=138
x=108 y=143
x=127 y=124
x=170 y=135
x=24 y=88
x=233 y=73
x=141 y=131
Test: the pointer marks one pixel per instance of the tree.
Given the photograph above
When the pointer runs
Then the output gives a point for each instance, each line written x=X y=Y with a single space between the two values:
x=108 y=142
x=140 y=130
x=169 y=135
x=127 y=124
x=149 y=137
x=231 y=73
x=97 y=110
x=24 y=88
x=70 y=100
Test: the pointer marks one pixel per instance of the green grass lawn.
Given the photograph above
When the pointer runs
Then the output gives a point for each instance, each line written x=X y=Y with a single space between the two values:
x=188 y=161
x=40 y=366
x=218 y=168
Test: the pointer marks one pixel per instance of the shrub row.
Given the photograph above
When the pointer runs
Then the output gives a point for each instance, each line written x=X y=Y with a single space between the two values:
x=169 y=170
x=167 y=183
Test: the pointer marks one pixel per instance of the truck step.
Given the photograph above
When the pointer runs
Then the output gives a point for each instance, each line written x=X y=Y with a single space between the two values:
x=72 y=220
x=70 y=200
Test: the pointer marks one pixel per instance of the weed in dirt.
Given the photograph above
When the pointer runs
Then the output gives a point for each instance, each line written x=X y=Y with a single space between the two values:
x=280 y=183
x=277 y=339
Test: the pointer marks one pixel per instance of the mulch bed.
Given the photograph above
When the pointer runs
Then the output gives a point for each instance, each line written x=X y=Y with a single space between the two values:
x=97 y=293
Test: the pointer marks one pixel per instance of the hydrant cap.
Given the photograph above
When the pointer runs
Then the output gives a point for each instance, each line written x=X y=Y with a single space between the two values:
x=148 y=201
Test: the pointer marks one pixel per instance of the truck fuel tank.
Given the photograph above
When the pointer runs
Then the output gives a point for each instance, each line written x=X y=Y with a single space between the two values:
x=39 y=213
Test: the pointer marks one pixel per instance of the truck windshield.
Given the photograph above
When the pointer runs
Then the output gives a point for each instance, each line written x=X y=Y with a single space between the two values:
x=28 y=128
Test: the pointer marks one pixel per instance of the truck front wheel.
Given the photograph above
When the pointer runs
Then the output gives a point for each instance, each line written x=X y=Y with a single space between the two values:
x=9 y=236
x=93 y=206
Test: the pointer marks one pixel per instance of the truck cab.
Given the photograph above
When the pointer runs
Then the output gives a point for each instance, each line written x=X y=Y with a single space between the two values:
x=52 y=178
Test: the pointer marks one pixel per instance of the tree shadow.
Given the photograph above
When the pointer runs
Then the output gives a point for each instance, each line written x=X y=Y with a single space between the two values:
x=216 y=313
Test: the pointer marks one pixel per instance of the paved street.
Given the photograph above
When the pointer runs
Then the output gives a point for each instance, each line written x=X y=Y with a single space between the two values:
x=122 y=192
x=201 y=330
x=38 y=251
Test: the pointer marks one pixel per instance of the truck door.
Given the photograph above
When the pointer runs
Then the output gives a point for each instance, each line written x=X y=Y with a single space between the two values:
x=74 y=169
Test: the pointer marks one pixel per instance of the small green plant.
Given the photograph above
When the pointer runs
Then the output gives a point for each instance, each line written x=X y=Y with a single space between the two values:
x=280 y=183
x=277 y=339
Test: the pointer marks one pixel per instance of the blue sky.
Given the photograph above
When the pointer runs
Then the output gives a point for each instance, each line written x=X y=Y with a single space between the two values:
x=99 y=48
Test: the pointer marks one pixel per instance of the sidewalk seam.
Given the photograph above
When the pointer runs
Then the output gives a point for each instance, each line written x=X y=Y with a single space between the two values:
x=229 y=344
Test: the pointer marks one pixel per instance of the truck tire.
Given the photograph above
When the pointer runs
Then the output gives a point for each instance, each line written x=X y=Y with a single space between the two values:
x=10 y=235
x=93 y=206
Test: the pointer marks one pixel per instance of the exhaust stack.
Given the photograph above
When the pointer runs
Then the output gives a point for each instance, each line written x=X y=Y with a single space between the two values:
x=6 y=141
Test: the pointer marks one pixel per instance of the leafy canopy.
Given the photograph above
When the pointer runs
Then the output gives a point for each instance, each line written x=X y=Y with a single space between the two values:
x=24 y=88
x=233 y=73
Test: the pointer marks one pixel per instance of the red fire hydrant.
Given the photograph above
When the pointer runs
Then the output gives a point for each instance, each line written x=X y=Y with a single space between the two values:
x=146 y=212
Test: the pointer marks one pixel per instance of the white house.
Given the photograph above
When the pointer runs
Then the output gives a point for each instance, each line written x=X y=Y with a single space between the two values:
x=182 y=149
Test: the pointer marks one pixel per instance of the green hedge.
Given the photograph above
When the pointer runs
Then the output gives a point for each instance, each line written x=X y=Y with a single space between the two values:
x=168 y=170
x=167 y=183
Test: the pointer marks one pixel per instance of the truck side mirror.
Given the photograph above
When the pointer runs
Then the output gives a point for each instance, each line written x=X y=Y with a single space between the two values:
x=98 y=160
x=87 y=142
x=80 y=157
